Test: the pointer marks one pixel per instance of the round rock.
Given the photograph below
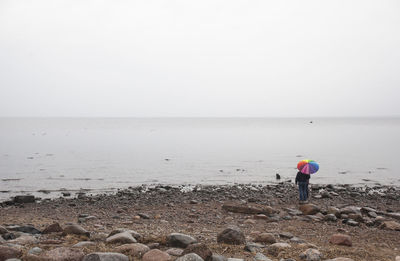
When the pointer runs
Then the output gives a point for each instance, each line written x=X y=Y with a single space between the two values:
x=190 y=257
x=232 y=236
x=156 y=255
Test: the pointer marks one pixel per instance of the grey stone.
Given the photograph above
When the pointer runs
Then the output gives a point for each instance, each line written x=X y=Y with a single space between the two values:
x=297 y=240
x=253 y=247
x=25 y=229
x=84 y=244
x=24 y=199
x=286 y=235
x=330 y=217
x=122 y=238
x=135 y=234
x=180 y=240
x=261 y=257
x=107 y=256
x=35 y=251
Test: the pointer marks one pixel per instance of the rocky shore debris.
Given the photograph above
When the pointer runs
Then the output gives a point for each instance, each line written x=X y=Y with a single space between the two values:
x=210 y=223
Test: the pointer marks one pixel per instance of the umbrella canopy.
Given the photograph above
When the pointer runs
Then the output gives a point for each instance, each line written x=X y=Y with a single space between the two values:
x=307 y=166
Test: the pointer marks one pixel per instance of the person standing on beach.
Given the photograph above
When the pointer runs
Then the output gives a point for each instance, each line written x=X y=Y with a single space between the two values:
x=302 y=180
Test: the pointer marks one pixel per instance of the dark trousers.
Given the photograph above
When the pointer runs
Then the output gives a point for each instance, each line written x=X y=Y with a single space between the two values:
x=303 y=190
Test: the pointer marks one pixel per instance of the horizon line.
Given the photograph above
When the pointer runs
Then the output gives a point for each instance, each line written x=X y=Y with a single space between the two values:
x=195 y=117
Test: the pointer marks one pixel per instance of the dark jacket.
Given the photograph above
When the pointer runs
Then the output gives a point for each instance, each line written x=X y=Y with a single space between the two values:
x=301 y=177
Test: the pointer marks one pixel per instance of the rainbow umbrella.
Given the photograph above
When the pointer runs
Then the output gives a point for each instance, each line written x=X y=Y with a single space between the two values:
x=307 y=166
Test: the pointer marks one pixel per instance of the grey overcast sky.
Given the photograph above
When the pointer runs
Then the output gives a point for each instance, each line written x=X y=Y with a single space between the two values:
x=208 y=58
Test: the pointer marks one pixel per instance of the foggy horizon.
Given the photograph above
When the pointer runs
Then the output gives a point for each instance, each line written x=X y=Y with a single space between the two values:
x=204 y=59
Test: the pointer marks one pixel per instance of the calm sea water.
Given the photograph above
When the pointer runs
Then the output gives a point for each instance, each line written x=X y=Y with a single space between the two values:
x=101 y=154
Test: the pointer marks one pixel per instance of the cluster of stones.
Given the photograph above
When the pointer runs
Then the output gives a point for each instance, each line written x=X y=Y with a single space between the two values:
x=127 y=247
x=352 y=216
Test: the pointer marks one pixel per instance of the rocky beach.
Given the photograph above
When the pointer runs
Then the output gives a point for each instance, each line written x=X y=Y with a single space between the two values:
x=237 y=222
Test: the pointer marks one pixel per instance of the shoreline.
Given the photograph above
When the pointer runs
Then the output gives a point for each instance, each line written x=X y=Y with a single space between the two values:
x=57 y=193
x=203 y=212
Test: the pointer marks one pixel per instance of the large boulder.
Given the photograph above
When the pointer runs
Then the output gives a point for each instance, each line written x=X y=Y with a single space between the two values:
x=232 y=236
x=75 y=229
x=309 y=209
x=135 y=249
x=7 y=252
x=200 y=249
x=156 y=255
x=190 y=257
x=341 y=239
x=180 y=240
x=121 y=238
x=108 y=256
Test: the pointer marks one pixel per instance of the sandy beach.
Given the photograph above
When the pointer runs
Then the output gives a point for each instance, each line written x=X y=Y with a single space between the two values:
x=267 y=222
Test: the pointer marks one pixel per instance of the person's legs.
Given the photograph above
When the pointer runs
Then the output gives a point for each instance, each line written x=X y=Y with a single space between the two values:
x=306 y=191
x=302 y=192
